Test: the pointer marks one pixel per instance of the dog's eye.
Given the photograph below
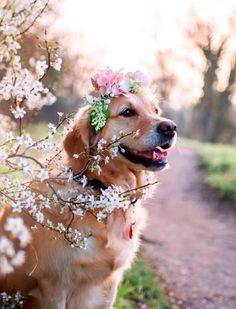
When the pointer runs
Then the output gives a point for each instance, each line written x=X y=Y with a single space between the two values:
x=128 y=112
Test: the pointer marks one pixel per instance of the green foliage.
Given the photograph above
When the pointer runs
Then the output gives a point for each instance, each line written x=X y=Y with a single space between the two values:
x=140 y=289
x=38 y=129
x=99 y=114
x=219 y=163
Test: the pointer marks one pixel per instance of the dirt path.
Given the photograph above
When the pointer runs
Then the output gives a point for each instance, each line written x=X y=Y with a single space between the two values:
x=191 y=241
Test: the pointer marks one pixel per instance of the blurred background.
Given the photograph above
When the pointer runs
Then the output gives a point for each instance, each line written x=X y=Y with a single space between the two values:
x=187 y=48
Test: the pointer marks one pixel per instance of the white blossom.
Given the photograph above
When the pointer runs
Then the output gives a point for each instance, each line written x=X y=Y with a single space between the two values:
x=78 y=212
x=101 y=216
x=15 y=225
x=114 y=138
x=52 y=128
x=100 y=144
x=12 y=300
x=5 y=266
x=90 y=99
x=41 y=67
x=18 y=258
x=114 y=151
x=18 y=112
x=56 y=64
x=49 y=223
x=61 y=227
x=39 y=217
x=9 y=136
x=17 y=206
x=136 y=133
x=6 y=247
x=43 y=174
x=107 y=159
x=28 y=141
x=84 y=181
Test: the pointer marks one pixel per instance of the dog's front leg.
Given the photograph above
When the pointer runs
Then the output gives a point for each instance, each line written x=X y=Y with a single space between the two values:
x=110 y=290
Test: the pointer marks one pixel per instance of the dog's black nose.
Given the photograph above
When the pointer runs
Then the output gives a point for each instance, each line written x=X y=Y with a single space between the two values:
x=167 y=128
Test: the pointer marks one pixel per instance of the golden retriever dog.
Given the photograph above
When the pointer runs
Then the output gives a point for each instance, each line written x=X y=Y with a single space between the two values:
x=57 y=276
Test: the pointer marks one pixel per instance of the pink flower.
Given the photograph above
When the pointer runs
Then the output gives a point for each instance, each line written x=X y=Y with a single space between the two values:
x=104 y=80
x=108 y=82
x=95 y=82
x=121 y=86
x=138 y=77
x=111 y=83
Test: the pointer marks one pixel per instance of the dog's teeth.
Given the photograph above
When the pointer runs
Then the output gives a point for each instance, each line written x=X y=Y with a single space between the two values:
x=159 y=148
x=155 y=156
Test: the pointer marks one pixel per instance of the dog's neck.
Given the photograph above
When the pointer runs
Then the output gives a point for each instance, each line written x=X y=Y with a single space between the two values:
x=119 y=175
x=116 y=172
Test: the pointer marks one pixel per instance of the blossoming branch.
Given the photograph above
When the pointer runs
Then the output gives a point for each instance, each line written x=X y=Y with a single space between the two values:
x=22 y=166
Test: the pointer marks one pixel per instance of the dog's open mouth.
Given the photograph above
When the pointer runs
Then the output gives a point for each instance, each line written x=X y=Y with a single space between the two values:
x=154 y=159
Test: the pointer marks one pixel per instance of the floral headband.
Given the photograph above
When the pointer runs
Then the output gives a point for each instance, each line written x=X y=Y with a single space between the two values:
x=111 y=84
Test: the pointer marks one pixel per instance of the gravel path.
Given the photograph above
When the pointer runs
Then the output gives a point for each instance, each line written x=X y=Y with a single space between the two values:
x=191 y=238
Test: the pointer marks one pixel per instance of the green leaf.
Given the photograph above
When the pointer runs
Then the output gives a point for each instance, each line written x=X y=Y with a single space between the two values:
x=99 y=114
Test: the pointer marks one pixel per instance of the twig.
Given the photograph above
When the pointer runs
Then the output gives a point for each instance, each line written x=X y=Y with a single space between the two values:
x=34 y=20
x=141 y=187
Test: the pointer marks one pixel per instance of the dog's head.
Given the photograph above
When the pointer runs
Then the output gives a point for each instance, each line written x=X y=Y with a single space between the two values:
x=155 y=135
x=146 y=150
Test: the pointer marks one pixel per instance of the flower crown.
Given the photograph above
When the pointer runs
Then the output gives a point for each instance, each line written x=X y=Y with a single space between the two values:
x=111 y=84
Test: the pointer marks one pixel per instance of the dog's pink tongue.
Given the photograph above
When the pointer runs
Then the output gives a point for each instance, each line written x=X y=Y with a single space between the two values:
x=155 y=154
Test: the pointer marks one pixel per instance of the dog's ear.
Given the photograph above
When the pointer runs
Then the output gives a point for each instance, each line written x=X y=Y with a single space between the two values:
x=77 y=142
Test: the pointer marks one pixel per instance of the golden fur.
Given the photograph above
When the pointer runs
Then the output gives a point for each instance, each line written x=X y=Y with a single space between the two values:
x=57 y=276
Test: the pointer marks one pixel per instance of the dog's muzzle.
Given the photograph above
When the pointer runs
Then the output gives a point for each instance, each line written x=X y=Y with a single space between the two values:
x=156 y=157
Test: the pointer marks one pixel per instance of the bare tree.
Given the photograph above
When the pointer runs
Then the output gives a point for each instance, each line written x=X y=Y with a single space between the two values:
x=211 y=120
x=165 y=79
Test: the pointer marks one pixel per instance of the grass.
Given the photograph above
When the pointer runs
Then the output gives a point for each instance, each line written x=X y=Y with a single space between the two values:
x=219 y=163
x=141 y=289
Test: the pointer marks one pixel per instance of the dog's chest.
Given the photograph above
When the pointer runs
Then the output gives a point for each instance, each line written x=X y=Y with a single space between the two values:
x=103 y=256
x=94 y=265
x=93 y=271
